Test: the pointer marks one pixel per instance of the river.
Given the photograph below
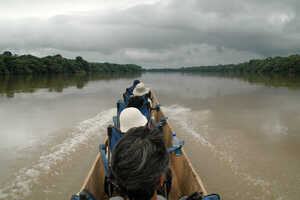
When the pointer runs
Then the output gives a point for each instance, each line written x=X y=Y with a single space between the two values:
x=242 y=135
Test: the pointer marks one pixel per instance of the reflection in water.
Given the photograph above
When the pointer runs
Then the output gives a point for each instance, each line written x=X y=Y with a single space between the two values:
x=291 y=82
x=271 y=80
x=9 y=85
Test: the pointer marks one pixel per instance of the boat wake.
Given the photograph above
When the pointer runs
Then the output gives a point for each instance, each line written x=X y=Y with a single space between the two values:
x=181 y=116
x=26 y=178
x=195 y=123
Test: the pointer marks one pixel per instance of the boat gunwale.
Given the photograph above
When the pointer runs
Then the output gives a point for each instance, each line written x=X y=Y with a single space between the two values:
x=183 y=152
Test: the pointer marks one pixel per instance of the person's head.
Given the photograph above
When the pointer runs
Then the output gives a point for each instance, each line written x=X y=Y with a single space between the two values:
x=140 y=90
x=131 y=117
x=139 y=162
x=135 y=82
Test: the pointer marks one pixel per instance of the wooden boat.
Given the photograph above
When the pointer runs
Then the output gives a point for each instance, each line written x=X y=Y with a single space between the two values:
x=185 y=180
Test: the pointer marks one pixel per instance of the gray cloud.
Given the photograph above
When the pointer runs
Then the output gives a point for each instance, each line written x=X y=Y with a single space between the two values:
x=165 y=33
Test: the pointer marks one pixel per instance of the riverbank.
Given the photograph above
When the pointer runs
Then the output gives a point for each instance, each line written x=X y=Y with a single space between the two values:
x=28 y=64
x=277 y=65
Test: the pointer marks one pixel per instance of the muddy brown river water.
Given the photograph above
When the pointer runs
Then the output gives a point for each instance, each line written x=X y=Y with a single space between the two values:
x=243 y=137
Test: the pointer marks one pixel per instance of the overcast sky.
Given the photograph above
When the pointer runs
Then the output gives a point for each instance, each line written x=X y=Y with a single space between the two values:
x=152 y=33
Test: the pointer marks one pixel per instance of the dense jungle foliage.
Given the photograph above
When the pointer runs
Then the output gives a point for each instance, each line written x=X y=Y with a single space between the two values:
x=28 y=64
x=278 y=65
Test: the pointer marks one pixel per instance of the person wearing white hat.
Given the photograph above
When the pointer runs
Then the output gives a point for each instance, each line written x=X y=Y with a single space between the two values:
x=131 y=117
x=140 y=90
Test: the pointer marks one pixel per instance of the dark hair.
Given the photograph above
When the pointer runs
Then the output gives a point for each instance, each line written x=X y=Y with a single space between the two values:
x=138 y=162
x=136 y=102
x=135 y=82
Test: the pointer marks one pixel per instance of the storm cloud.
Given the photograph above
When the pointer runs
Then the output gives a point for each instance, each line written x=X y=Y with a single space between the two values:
x=153 y=33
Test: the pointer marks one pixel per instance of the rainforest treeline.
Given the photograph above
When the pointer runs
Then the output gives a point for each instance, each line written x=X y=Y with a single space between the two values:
x=277 y=65
x=28 y=64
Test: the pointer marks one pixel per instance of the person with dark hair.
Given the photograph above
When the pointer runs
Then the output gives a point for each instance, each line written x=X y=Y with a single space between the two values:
x=139 y=163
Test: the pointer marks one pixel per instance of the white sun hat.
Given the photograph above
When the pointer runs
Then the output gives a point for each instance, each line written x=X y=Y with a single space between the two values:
x=140 y=90
x=131 y=117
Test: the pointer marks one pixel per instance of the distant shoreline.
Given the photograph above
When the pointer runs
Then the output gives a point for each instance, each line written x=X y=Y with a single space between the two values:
x=277 y=65
x=27 y=64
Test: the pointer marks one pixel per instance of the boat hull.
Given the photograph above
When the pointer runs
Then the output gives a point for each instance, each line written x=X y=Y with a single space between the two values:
x=185 y=180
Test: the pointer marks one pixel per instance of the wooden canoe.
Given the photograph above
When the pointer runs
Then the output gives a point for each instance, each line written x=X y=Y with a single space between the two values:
x=185 y=180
